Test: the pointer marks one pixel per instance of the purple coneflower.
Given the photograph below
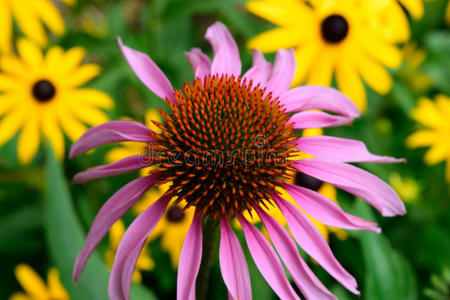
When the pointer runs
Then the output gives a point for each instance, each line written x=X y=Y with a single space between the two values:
x=227 y=146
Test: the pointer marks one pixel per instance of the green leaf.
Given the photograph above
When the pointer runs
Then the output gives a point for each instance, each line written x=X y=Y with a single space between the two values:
x=388 y=274
x=65 y=237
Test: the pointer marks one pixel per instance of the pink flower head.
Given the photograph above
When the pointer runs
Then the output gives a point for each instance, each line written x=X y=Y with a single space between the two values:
x=226 y=147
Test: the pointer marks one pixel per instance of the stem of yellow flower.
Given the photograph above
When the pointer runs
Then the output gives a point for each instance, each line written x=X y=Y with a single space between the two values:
x=210 y=238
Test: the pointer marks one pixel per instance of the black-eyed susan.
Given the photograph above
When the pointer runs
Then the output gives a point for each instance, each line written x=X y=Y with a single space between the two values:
x=29 y=15
x=34 y=286
x=331 y=36
x=41 y=94
x=144 y=262
x=434 y=115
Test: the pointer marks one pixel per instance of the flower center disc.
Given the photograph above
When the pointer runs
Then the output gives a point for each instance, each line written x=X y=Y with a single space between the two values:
x=334 y=28
x=225 y=147
x=43 y=91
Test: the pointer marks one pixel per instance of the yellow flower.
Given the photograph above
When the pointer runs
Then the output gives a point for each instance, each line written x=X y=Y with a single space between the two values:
x=35 y=287
x=144 y=262
x=41 y=94
x=407 y=188
x=414 y=58
x=333 y=36
x=435 y=116
x=29 y=14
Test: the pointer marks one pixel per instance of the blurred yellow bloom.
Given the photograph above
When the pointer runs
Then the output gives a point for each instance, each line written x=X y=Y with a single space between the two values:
x=144 y=262
x=341 y=37
x=414 y=58
x=35 y=287
x=41 y=94
x=407 y=188
x=435 y=116
x=29 y=14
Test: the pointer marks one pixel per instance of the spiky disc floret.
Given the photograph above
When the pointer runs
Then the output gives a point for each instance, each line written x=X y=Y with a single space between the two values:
x=225 y=147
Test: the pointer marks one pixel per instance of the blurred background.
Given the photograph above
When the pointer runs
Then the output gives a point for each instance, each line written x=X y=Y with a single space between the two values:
x=44 y=219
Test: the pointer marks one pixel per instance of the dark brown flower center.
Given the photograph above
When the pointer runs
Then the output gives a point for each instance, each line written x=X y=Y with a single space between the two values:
x=224 y=147
x=334 y=28
x=43 y=90
x=306 y=181
x=175 y=214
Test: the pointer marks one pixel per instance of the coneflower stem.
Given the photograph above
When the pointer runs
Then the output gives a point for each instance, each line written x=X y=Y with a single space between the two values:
x=210 y=235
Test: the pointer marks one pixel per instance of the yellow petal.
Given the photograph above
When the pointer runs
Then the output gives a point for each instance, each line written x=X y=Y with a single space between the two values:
x=30 y=281
x=281 y=12
x=19 y=296
x=7 y=103
x=427 y=113
x=28 y=143
x=312 y=132
x=118 y=153
x=145 y=262
x=54 y=58
x=447 y=18
x=91 y=97
x=71 y=126
x=72 y=59
x=328 y=191
x=116 y=233
x=322 y=71
x=152 y=115
x=50 y=15
x=56 y=289
x=304 y=56
x=422 y=138
x=54 y=135
x=438 y=152
x=13 y=66
x=28 y=21
x=414 y=7
x=381 y=51
x=31 y=54
x=374 y=74
x=349 y=82
x=83 y=74
x=277 y=38
x=8 y=83
x=5 y=28
x=89 y=115
x=10 y=124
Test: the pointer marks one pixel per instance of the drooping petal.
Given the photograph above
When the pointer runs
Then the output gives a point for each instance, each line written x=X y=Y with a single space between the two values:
x=344 y=150
x=111 y=132
x=260 y=71
x=311 y=240
x=128 y=164
x=317 y=119
x=226 y=52
x=326 y=211
x=304 y=278
x=267 y=261
x=319 y=97
x=110 y=212
x=130 y=247
x=232 y=263
x=282 y=73
x=355 y=181
x=190 y=259
x=148 y=72
x=200 y=62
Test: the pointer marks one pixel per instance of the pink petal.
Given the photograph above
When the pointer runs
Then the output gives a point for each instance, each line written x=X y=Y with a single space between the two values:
x=110 y=212
x=311 y=240
x=226 y=52
x=267 y=261
x=130 y=247
x=232 y=264
x=128 y=164
x=319 y=97
x=282 y=73
x=111 y=132
x=190 y=259
x=317 y=119
x=304 y=278
x=260 y=71
x=326 y=211
x=148 y=72
x=344 y=150
x=200 y=63
x=355 y=181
